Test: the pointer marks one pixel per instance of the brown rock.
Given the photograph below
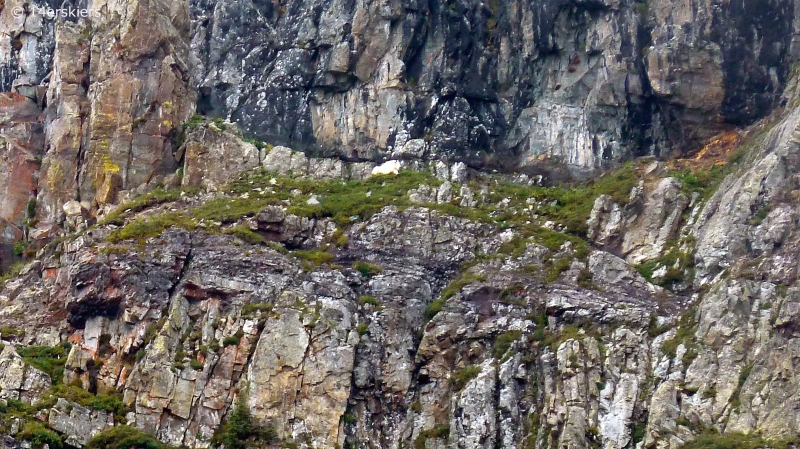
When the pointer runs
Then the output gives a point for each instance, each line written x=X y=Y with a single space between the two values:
x=213 y=157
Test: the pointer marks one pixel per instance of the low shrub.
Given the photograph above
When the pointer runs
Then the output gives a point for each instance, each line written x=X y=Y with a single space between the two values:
x=39 y=435
x=434 y=308
x=124 y=437
x=367 y=299
x=503 y=343
x=196 y=365
x=460 y=378
x=50 y=359
x=316 y=257
x=233 y=340
x=367 y=269
x=240 y=432
x=244 y=234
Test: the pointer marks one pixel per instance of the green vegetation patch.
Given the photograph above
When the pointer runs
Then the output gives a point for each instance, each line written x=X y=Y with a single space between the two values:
x=553 y=339
x=744 y=374
x=50 y=359
x=144 y=228
x=124 y=437
x=315 y=257
x=460 y=378
x=196 y=365
x=233 y=340
x=368 y=299
x=654 y=330
x=19 y=248
x=346 y=201
x=503 y=343
x=140 y=203
x=10 y=332
x=12 y=272
x=457 y=285
x=111 y=403
x=251 y=308
x=687 y=327
x=240 y=432
x=193 y=122
x=451 y=290
x=555 y=268
x=245 y=234
x=439 y=432
x=434 y=308
x=703 y=181
x=678 y=263
x=367 y=269
x=711 y=439
x=569 y=205
x=39 y=435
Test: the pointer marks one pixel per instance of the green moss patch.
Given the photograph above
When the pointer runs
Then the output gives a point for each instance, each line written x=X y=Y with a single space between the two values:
x=714 y=440
x=111 y=403
x=50 y=359
x=460 y=378
x=124 y=437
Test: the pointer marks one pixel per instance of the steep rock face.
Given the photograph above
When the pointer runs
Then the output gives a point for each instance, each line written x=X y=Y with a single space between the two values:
x=467 y=77
x=20 y=157
x=187 y=324
x=743 y=245
x=484 y=329
x=320 y=363
x=80 y=423
x=213 y=156
x=709 y=58
x=118 y=93
x=583 y=83
x=21 y=381
x=643 y=229
x=27 y=42
x=535 y=83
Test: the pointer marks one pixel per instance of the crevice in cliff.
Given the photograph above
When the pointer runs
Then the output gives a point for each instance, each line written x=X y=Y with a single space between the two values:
x=83 y=142
x=646 y=112
x=187 y=260
x=498 y=416
x=197 y=399
x=301 y=376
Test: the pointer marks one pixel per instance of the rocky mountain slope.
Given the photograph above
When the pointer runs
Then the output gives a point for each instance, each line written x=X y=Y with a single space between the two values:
x=381 y=240
x=565 y=87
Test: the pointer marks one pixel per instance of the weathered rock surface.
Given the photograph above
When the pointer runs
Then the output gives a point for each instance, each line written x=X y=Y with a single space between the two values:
x=188 y=324
x=646 y=227
x=214 y=156
x=535 y=83
x=19 y=380
x=530 y=347
x=78 y=424
x=117 y=98
x=20 y=157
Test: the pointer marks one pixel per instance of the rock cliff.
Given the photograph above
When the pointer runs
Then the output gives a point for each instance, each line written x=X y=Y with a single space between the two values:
x=541 y=85
x=359 y=224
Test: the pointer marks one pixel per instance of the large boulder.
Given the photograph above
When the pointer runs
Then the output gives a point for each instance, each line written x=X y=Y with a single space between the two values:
x=214 y=156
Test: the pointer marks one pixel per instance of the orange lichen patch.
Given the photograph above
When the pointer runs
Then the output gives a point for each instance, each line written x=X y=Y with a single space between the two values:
x=50 y=273
x=76 y=338
x=716 y=152
x=124 y=373
x=11 y=99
